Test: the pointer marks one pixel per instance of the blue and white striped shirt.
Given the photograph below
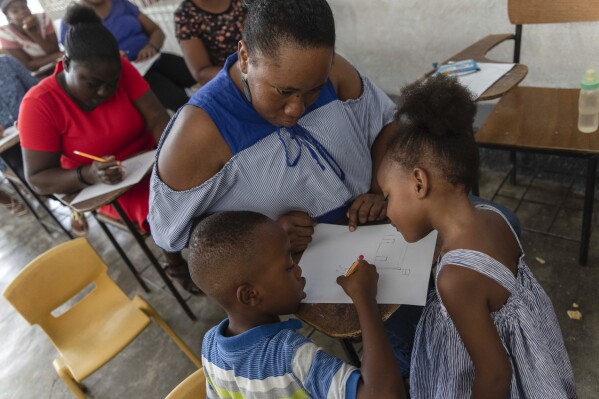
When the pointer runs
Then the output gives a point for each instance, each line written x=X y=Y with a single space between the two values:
x=273 y=361
x=527 y=325
x=319 y=166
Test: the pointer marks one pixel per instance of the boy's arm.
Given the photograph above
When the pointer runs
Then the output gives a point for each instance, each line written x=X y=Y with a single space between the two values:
x=466 y=300
x=381 y=377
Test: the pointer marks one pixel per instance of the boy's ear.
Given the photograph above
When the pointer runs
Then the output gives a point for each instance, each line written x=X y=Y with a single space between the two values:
x=66 y=62
x=420 y=182
x=248 y=295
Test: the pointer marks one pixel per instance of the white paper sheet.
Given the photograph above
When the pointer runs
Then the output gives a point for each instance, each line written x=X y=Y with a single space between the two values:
x=403 y=268
x=144 y=66
x=479 y=82
x=135 y=169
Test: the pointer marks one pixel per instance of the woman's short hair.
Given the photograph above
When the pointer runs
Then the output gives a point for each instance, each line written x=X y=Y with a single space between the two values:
x=87 y=39
x=272 y=23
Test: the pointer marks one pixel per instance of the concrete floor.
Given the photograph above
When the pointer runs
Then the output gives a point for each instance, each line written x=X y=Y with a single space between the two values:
x=153 y=365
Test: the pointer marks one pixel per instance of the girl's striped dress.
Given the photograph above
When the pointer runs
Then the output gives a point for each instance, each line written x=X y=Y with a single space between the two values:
x=319 y=166
x=527 y=326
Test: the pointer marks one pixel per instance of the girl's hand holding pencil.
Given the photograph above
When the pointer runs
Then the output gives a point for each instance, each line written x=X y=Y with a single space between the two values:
x=104 y=170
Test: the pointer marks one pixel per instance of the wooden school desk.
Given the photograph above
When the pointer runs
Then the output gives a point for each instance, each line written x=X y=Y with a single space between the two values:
x=92 y=205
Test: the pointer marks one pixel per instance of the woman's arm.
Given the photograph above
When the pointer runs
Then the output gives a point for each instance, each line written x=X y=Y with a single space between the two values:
x=193 y=152
x=46 y=176
x=154 y=114
x=198 y=61
x=33 y=64
x=465 y=295
x=155 y=37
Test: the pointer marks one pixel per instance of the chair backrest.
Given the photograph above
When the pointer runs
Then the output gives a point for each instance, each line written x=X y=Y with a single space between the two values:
x=522 y=12
x=53 y=278
x=193 y=387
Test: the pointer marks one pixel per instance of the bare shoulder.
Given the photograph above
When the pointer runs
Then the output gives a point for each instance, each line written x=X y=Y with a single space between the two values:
x=193 y=152
x=345 y=79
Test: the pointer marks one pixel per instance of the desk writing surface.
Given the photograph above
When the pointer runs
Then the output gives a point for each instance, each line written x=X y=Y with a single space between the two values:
x=9 y=139
x=135 y=168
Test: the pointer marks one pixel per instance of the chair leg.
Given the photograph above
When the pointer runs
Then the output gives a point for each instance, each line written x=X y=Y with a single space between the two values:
x=29 y=206
x=587 y=215
x=119 y=249
x=350 y=351
x=65 y=375
x=153 y=260
x=145 y=307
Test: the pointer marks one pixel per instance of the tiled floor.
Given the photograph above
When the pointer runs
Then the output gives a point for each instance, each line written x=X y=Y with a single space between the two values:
x=153 y=365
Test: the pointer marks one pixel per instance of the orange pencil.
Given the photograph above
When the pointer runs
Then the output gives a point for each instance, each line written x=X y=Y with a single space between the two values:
x=88 y=156
x=354 y=265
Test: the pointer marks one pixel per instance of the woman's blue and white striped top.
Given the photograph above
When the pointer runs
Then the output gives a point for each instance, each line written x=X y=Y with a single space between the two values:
x=527 y=326
x=319 y=166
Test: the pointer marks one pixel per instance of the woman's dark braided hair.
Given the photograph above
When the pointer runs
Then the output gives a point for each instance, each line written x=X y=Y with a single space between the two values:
x=303 y=23
x=435 y=130
x=87 y=39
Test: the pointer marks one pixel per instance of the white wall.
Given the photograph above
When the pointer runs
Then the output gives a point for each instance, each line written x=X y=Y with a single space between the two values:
x=395 y=41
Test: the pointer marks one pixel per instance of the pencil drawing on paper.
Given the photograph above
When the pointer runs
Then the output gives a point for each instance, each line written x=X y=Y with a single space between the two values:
x=390 y=256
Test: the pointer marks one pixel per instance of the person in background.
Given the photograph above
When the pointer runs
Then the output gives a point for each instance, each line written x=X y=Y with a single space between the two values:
x=208 y=32
x=140 y=38
x=96 y=102
x=15 y=81
x=30 y=38
x=243 y=260
x=488 y=330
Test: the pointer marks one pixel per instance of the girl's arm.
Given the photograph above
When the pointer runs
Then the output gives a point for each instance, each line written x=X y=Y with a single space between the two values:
x=198 y=61
x=155 y=37
x=465 y=294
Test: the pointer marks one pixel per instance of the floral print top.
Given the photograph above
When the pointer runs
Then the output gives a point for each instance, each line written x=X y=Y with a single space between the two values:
x=219 y=33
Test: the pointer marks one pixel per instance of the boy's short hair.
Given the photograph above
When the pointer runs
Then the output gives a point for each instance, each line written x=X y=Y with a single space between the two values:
x=221 y=248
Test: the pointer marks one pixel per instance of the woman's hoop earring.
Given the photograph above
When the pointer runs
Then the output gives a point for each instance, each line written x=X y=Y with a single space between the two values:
x=246 y=88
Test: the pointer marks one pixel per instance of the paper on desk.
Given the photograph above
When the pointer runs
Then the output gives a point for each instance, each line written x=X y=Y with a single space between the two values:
x=480 y=81
x=9 y=132
x=135 y=169
x=404 y=269
x=144 y=66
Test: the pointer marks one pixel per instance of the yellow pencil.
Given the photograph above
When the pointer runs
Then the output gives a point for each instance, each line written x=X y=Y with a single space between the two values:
x=354 y=266
x=85 y=155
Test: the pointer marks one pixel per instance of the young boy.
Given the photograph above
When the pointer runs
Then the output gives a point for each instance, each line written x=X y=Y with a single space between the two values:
x=243 y=261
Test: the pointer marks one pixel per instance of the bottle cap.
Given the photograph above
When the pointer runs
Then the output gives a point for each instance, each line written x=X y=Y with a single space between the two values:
x=590 y=81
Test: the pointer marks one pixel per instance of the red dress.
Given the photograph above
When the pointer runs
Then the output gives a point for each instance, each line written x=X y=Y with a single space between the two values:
x=50 y=121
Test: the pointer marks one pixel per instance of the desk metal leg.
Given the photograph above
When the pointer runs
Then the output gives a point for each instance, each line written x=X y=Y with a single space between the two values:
x=29 y=206
x=587 y=216
x=350 y=351
x=23 y=181
x=153 y=260
x=119 y=249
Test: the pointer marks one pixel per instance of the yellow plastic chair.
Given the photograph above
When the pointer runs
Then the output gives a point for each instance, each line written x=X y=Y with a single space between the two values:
x=96 y=328
x=193 y=387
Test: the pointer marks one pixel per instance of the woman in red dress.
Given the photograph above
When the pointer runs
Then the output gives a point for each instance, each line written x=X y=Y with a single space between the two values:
x=97 y=103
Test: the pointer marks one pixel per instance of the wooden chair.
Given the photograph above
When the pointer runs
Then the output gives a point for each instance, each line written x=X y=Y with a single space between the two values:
x=95 y=329
x=193 y=387
x=544 y=120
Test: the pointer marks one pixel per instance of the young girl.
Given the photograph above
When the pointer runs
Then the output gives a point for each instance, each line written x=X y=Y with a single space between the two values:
x=489 y=330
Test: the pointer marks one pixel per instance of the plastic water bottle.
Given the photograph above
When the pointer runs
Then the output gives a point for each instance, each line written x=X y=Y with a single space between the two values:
x=588 y=103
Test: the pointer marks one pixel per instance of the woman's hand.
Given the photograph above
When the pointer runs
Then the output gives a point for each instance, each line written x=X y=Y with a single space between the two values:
x=109 y=172
x=146 y=52
x=30 y=24
x=366 y=208
x=362 y=284
x=299 y=227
